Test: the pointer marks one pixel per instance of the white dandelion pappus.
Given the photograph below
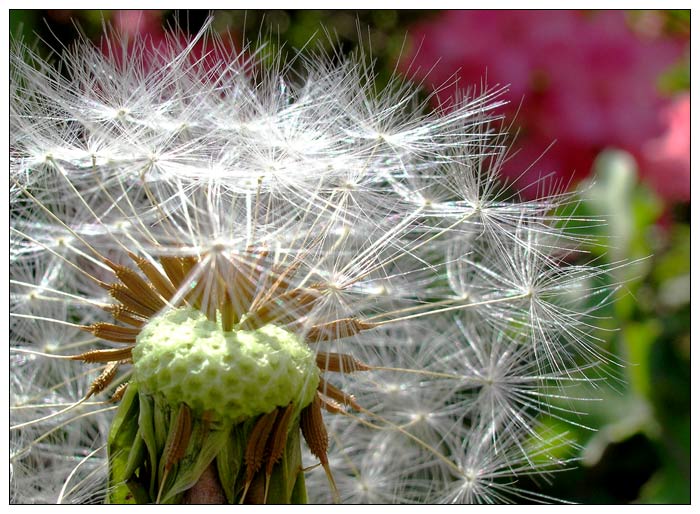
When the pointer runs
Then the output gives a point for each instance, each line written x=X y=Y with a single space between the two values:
x=231 y=248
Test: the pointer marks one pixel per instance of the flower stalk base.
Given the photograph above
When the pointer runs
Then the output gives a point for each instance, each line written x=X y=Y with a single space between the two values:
x=162 y=454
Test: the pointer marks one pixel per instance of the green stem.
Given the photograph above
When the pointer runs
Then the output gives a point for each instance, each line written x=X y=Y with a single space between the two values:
x=210 y=466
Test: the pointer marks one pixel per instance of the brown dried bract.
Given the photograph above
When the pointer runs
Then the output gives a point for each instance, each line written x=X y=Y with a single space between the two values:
x=112 y=332
x=278 y=439
x=103 y=381
x=118 y=393
x=330 y=405
x=159 y=282
x=336 y=394
x=316 y=436
x=121 y=313
x=313 y=429
x=340 y=363
x=178 y=437
x=257 y=443
x=138 y=286
x=173 y=270
x=111 y=355
x=130 y=300
x=337 y=329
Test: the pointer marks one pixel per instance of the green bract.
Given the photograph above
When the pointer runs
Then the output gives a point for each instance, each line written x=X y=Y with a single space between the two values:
x=238 y=374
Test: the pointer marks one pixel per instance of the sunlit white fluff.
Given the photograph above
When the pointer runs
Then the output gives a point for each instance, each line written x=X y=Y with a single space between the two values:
x=396 y=210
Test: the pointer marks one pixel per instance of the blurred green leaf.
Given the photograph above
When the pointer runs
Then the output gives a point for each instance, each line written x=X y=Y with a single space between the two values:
x=639 y=339
x=667 y=486
x=22 y=23
x=677 y=78
x=672 y=269
x=559 y=441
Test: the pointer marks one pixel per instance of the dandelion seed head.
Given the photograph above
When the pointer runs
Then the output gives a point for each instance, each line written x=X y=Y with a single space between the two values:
x=440 y=315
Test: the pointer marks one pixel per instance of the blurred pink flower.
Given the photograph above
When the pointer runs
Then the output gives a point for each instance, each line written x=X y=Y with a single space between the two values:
x=139 y=22
x=134 y=25
x=147 y=25
x=666 y=159
x=587 y=80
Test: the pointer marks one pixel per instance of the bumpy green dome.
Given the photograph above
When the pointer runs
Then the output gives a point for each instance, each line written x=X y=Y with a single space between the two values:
x=239 y=374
